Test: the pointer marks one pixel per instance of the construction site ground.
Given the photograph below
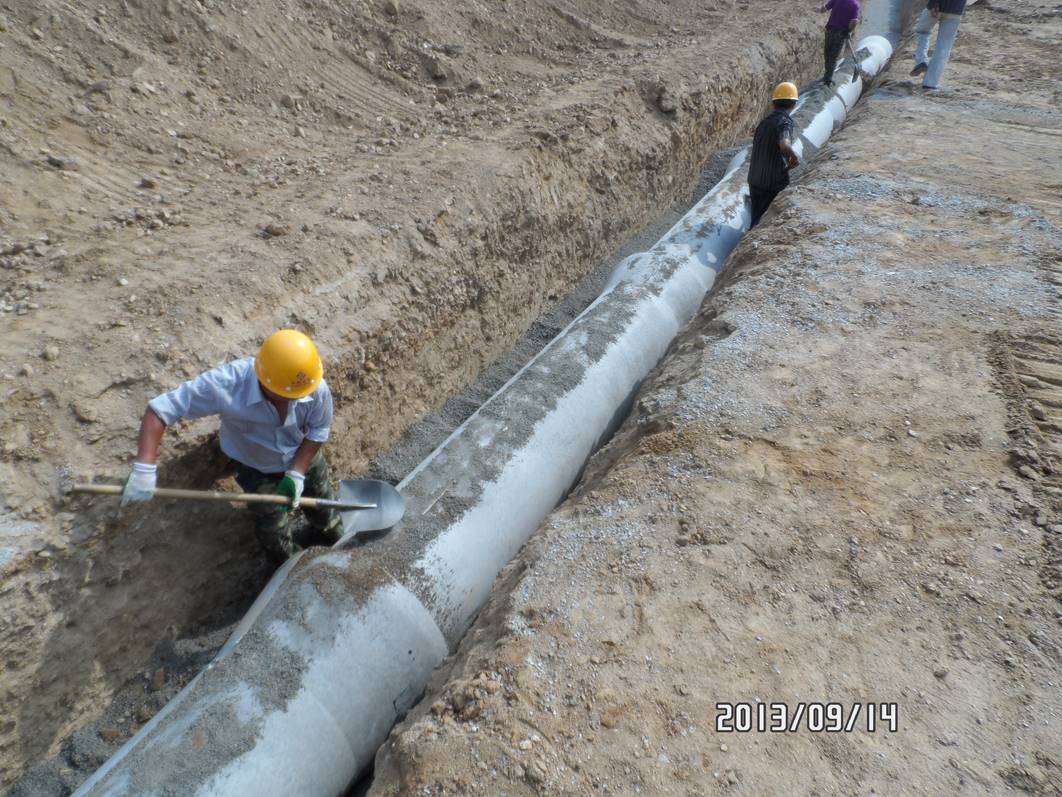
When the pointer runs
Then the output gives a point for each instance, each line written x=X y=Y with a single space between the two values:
x=841 y=486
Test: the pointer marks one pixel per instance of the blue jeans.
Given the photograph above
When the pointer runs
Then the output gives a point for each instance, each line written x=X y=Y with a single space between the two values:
x=949 y=28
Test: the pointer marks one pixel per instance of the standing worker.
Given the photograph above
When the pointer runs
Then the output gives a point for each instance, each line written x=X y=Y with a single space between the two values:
x=844 y=17
x=276 y=413
x=772 y=151
x=948 y=14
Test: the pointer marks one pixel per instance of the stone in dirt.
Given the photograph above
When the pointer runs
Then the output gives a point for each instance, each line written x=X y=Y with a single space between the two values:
x=85 y=412
x=61 y=162
x=437 y=68
x=1029 y=473
x=666 y=103
x=275 y=230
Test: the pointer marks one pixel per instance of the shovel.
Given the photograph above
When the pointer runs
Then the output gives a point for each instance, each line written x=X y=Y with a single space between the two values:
x=855 y=61
x=364 y=504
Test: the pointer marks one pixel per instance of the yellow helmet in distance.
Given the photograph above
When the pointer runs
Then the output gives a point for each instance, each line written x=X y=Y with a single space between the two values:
x=785 y=91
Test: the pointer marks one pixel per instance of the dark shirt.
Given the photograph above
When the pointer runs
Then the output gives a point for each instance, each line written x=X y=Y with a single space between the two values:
x=842 y=12
x=768 y=167
x=947 y=6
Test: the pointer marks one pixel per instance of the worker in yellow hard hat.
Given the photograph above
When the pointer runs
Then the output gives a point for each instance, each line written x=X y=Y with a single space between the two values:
x=772 y=151
x=276 y=413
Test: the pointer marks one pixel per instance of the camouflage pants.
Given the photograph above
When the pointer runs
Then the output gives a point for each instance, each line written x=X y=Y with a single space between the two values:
x=273 y=526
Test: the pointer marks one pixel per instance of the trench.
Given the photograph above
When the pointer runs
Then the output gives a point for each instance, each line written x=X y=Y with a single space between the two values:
x=195 y=649
x=298 y=696
x=423 y=437
x=189 y=636
x=184 y=657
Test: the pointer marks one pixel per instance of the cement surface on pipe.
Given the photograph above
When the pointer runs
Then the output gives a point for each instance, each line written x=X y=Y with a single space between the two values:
x=345 y=640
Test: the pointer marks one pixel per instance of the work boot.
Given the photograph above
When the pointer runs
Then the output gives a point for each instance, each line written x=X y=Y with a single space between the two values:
x=920 y=69
x=329 y=535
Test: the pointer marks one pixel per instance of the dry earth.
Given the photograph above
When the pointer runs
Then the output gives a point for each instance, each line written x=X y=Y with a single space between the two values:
x=841 y=486
x=410 y=182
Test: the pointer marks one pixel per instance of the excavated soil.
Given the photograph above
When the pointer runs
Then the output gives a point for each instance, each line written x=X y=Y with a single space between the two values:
x=842 y=486
x=411 y=183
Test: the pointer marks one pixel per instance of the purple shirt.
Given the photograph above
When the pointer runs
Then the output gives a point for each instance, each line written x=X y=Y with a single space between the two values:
x=842 y=12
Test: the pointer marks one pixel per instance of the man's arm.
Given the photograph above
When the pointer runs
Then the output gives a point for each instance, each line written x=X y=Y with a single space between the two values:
x=295 y=476
x=140 y=485
x=192 y=399
x=319 y=426
x=151 y=430
x=790 y=154
x=304 y=455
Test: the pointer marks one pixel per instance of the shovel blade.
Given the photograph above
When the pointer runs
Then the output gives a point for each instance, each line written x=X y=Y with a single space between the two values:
x=390 y=505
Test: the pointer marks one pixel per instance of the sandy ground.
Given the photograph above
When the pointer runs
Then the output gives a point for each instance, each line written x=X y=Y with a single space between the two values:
x=183 y=177
x=840 y=487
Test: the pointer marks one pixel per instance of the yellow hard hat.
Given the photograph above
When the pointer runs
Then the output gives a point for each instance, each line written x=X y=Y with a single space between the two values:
x=785 y=91
x=288 y=364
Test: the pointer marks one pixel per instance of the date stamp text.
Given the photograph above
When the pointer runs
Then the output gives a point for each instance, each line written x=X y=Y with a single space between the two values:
x=812 y=717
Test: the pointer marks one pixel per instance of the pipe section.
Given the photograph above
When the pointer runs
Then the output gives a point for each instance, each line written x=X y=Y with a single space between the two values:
x=342 y=643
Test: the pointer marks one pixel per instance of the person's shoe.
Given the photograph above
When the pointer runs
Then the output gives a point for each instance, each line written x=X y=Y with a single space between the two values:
x=330 y=535
x=920 y=69
x=929 y=88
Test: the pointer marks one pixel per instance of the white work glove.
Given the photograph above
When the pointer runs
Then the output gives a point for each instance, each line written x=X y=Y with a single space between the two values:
x=291 y=486
x=140 y=486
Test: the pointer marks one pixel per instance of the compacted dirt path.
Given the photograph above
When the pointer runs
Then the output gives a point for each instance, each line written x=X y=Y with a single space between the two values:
x=841 y=487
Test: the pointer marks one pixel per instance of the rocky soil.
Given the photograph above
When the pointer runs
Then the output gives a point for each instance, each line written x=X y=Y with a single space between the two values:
x=842 y=486
x=411 y=183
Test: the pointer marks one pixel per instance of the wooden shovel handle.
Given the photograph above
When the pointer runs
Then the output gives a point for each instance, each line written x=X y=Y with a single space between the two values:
x=198 y=495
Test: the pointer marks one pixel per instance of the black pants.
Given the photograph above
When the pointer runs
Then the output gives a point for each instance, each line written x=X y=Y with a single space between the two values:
x=761 y=200
x=831 y=50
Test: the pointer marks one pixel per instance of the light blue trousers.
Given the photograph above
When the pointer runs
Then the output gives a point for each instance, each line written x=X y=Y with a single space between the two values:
x=949 y=28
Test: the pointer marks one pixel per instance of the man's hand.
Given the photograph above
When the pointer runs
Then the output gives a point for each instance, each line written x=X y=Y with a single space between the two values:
x=140 y=486
x=792 y=160
x=935 y=12
x=291 y=486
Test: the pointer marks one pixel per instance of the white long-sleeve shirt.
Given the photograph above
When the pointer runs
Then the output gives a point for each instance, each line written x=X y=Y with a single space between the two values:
x=252 y=431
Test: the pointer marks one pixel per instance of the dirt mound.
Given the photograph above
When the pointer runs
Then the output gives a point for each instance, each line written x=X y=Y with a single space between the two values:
x=410 y=183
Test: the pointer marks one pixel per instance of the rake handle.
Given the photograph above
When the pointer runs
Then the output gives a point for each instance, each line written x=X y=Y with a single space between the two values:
x=210 y=495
